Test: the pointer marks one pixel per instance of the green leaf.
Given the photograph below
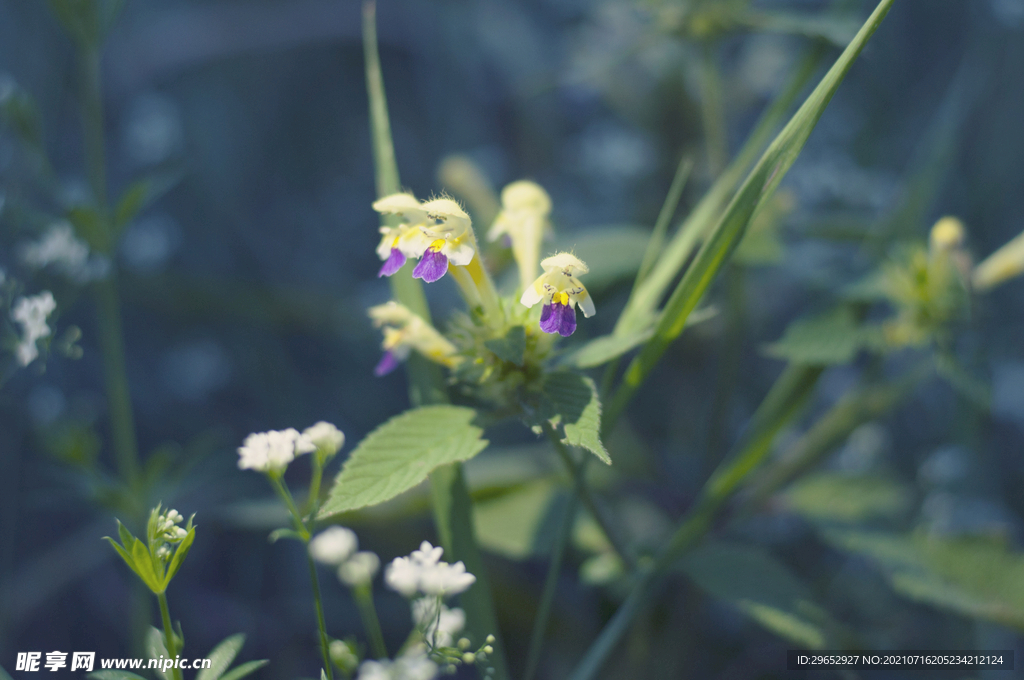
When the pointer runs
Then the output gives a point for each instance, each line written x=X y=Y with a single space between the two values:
x=975 y=577
x=970 y=387
x=571 y=401
x=242 y=670
x=723 y=239
x=142 y=193
x=838 y=30
x=400 y=454
x=114 y=675
x=510 y=348
x=221 y=657
x=601 y=350
x=510 y=524
x=123 y=553
x=761 y=587
x=612 y=253
x=156 y=649
x=648 y=294
x=835 y=497
x=180 y=553
x=144 y=567
x=126 y=536
x=278 y=534
x=89 y=227
x=830 y=338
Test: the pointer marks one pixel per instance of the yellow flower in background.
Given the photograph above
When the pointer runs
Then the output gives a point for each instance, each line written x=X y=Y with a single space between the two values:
x=560 y=291
x=523 y=219
x=1001 y=266
x=405 y=332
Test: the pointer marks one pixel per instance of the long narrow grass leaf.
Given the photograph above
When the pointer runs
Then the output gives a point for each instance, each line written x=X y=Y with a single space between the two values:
x=722 y=241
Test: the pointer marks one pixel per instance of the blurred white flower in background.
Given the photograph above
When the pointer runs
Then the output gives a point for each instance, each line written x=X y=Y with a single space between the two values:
x=334 y=545
x=31 y=314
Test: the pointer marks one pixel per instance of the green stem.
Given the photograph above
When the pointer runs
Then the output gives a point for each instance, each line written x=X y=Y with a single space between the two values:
x=108 y=312
x=540 y=623
x=300 y=526
x=453 y=516
x=170 y=642
x=578 y=470
x=318 y=603
x=313 y=501
x=368 y=612
x=782 y=403
x=713 y=112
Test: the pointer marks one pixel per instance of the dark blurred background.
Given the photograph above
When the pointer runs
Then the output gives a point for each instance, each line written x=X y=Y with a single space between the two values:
x=245 y=289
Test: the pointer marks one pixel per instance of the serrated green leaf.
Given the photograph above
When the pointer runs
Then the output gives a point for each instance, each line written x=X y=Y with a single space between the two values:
x=221 y=657
x=114 y=675
x=510 y=524
x=400 y=454
x=756 y=189
x=975 y=577
x=572 y=403
x=761 y=587
x=142 y=193
x=156 y=649
x=180 y=553
x=833 y=497
x=242 y=670
x=830 y=338
x=510 y=348
x=144 y=566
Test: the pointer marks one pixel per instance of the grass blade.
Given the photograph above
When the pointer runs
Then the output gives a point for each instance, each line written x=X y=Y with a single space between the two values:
x=648 y=294
x=722 y=241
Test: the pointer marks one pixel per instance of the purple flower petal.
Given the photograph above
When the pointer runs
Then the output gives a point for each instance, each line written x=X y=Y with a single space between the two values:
x=558 y=318
x=431 y=266
x=388 y=363
x=392 y=264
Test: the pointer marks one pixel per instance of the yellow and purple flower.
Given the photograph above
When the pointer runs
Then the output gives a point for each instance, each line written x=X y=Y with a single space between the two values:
x=560 y=291
x=450 y=235
x=405 y=240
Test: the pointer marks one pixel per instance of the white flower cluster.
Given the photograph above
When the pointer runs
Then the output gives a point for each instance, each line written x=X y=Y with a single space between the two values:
x=68 y=254
x=422 y=571
x=439 y=624
x=413 y=665
x=167 y=527
x=31 y=313
x=271 y=452
x=336 y=546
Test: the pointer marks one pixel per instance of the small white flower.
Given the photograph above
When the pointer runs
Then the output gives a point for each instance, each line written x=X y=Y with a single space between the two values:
x=427 y=555
x=403 y=576
x=61 y=248
x=445 y=579
x=413 y=665
x=272 y=451
x=422 y=571
x=359 y=569
x=438 y=627
x=325 y=437
x=31 y=313
x=333 y=545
